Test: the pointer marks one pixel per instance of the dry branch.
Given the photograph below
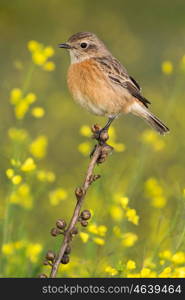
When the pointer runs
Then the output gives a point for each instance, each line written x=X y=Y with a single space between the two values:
x=98 y=155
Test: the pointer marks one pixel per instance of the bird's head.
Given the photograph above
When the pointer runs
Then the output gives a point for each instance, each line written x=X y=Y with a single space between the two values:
x=84 y=45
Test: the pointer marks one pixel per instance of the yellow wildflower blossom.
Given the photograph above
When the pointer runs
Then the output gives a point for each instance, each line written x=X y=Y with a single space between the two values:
x=129 y=239
x=46 y=176
x=18 y=135
x=49 y=51
x=39 y=58
x=57 y=195
x=111 y=271
x=150 y=137
x=167 y=67
x=85 y=131
x=99 y=241
x=7 y=249
x=28 y=165
x=178 y=258
x=116 y=213
x=33 y=251
x=147 y=273
x=22 y=197
x=30 y=98
x=166 y=273
x=16 y=179
x=124 y=202
x=102 y=229
x=33 y=46
x=84 y=148
x=93 y=228
x=131 y=265
x=132 y=216
x=9 y=173
x=38 y=112
x=15 y=95
x=84 y=236
x=38 y=146
x=49 y=66
x=21 y=109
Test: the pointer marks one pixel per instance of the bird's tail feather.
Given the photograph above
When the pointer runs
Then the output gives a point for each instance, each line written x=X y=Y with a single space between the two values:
x=150 y=118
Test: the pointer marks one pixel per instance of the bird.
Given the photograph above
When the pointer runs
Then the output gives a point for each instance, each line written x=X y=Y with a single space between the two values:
x=102 y=85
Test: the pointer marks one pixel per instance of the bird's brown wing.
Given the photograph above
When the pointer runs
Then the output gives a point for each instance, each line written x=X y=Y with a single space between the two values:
x=119 y=75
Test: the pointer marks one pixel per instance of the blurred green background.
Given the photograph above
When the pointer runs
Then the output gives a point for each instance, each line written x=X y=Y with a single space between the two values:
x=45 y=141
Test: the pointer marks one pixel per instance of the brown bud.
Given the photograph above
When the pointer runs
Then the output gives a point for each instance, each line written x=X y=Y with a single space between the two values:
x=55 y=231
x=84 y=223
x=43 y=276
x=68 y=249
x=79 y=192
x=65 y=259
x=74 y=231
x=104 y=136
x=50 y=255
x=95 y=128
x=85 y=214
x=61 y=224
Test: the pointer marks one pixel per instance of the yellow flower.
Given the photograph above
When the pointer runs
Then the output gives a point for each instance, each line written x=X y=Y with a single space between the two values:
x=112 y=133
x=9 y=173
x=129 y=239
x=147 y=273
x=178 y=258
x=49 y=66
x=179 y=272
x=17 y=134
x=166 y=273
x=33 y=46
x=167 y=67
x=155 y=192
x=116 y=213
x=33 y=251
x=38 y=112
x=57 y=195
x=131 y=265
x=39 y=58
x=84 y=237
x=150 y=137
x=159 y=201
x=84 y=148
x=85 y=131
x=93 y=228
x=28 y=165
x=49 y=51
x=30 y=98
x=7 y=249
x=16 y=179
x=46 y=176
x=15 y=95
x=124 y=202
x=38 y=146
x=111 y=271
x=22 y=197
x=21 y=109
x=99 y=241
x=102 y=229
x=118 y=147
x=132 y=216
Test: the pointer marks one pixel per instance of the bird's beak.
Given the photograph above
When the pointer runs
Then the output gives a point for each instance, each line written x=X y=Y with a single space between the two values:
x=64 y=45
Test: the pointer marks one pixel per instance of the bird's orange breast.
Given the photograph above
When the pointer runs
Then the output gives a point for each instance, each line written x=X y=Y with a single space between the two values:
x=91 y=88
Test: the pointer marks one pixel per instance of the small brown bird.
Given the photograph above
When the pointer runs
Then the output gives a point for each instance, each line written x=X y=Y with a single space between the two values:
x=102 y=85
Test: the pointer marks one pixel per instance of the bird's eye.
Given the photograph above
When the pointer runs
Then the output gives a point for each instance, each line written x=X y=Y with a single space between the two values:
x=83 y=45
